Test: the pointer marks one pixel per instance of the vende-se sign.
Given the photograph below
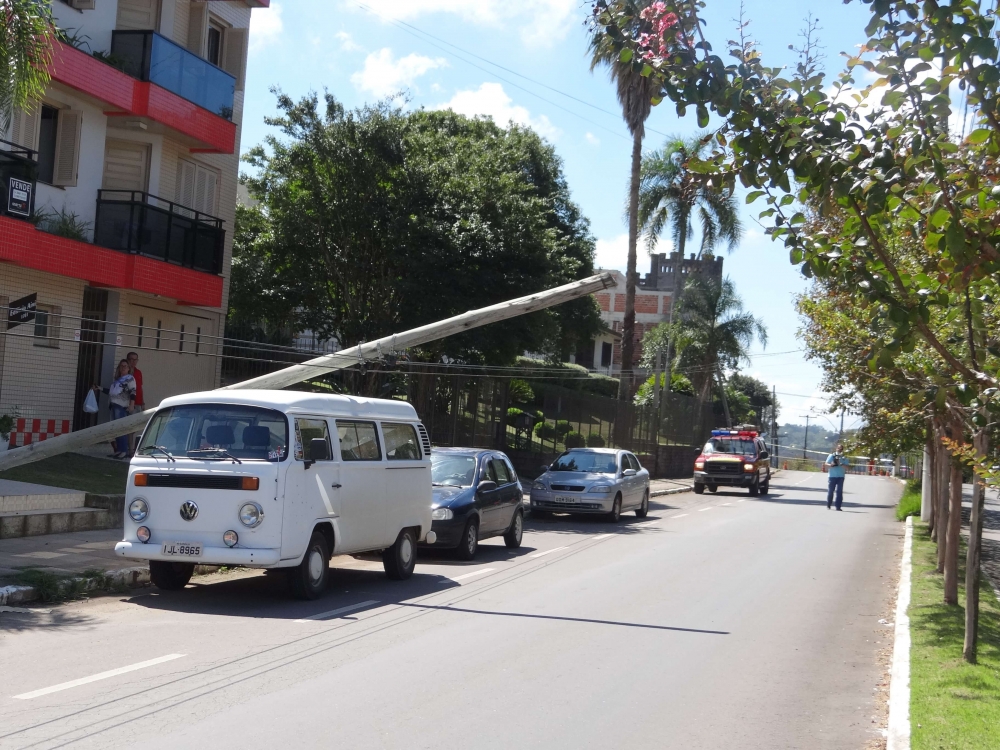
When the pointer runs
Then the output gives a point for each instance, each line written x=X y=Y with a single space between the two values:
x=22 y=310
x=19 y=197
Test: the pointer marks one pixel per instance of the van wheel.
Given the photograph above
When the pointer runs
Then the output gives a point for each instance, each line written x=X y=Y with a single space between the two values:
x=643 y=510
x=308 y=579
x=516 y=531
x=170 y=576
x=401 y=558
x=467 y=548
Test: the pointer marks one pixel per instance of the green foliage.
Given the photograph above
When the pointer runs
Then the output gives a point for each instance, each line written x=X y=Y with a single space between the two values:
x=26 y=37
x=521 y=392
x=512 y=412
x=595 y=440
x=545 y=431
x=376 y=219
x=562 y=428
x=909 y=502
x=575 y=439
x=63 y=223
x=6 y=425
x=568 y=375
x=679 y=383
x=115 y=61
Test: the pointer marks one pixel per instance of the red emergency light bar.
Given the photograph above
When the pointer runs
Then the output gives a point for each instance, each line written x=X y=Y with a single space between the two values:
x=734 y=433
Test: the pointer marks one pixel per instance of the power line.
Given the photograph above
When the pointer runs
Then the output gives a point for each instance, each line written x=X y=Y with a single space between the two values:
x=412 y=29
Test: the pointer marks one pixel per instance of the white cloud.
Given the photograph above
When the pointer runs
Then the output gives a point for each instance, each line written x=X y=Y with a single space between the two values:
x=592 y=139
x=612 y=253
x=265 y=27
x=383 y=75
x=347 y=43
x=542 y=22
x=491 y=100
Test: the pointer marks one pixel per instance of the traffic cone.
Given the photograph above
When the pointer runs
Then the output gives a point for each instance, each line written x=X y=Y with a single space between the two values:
x=785 y=466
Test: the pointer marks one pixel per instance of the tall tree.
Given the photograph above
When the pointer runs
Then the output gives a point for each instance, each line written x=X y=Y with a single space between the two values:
x=719 y=331
x=26 y=36
x=636 y=93
x=672 y=196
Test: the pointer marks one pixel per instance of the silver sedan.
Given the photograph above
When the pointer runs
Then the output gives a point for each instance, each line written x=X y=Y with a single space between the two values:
x=593 y=480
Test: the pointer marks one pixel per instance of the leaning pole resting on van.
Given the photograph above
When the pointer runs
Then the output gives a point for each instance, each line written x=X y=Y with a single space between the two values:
x=327 y=363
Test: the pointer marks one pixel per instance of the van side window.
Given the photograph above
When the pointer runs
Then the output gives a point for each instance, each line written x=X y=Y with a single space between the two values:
x=500 y=468
x=400 y=442
x=305 y=431
x=358 y=441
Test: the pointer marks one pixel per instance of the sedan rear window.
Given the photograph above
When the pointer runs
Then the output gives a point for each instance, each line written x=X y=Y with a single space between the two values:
x=597 y=463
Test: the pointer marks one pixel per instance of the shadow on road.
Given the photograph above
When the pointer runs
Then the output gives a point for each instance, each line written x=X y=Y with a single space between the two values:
x=22 y=622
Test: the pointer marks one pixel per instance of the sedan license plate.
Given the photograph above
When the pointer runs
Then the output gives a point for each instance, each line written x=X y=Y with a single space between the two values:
x=182 y=548
x=562 y=499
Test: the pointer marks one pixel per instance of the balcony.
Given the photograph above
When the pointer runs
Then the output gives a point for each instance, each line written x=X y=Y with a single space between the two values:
x=142 y=224
x=154 y=58
x=18 y=171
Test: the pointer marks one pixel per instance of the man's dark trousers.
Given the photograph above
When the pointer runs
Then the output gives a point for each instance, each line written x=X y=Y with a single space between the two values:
x=836 y=484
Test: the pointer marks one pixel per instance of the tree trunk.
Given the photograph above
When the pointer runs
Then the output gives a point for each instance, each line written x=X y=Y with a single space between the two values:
x=972 y=560
x=926 y=481
x=628 y=326
x=953 y=534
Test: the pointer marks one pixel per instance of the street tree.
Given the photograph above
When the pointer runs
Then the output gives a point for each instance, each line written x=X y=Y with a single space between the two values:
x=27 y=34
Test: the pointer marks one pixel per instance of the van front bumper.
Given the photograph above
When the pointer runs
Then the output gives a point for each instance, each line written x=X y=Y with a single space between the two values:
x=209 y=555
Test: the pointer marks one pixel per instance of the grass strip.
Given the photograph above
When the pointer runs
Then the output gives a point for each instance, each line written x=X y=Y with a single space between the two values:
x=909 y=503
x=72 y=471
x=952 y=704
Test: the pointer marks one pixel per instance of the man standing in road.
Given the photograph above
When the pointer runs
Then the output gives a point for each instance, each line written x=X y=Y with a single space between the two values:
x=133 y=362
x=836 y=464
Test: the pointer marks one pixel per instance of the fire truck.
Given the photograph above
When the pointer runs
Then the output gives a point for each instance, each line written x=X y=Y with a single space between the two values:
x=733 y=458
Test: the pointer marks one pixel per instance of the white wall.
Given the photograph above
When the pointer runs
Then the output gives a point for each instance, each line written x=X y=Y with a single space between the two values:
x=96 y=24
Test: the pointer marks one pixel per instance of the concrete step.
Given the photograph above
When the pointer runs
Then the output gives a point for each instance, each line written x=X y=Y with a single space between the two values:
x=24 y=496
x=15 y=524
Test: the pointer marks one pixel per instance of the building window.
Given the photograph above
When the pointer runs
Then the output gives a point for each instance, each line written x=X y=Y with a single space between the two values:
x=181 y=347
x=213 y=48
x=58 y=146
x=47 y=325
x=159 y=328
x=47 y=143
x=140 y=333
x=197 y=341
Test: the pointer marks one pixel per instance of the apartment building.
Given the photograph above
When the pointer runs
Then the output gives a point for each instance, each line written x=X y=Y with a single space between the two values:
x=117 y=205
x=652 y=307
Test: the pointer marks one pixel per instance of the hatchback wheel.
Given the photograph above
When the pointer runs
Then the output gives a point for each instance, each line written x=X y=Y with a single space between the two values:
x=616 y=510
x=470 y=541
x=516 y=531
x=643 y=510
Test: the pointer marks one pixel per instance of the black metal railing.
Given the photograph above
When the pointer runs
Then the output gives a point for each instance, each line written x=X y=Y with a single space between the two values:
x=135 y=222
x=18 y=172
x=151 y=57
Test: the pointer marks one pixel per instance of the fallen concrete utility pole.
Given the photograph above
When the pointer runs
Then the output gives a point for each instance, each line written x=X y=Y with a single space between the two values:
x=327 y=363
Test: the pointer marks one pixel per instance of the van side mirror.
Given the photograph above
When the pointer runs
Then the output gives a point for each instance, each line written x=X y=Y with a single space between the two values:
x=319 y=450
x=487 y=485
x=629 y=473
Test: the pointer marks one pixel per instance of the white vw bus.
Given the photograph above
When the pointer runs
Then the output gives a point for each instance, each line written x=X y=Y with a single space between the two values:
x=257 y=478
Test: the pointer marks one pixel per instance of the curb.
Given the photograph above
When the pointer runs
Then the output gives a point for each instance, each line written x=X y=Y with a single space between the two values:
x=671 y=491
x=899 y=684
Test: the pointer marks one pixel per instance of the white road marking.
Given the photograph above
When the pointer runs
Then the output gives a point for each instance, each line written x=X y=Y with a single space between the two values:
x=96 y=677
x=742 y=501
x=727 y=503
x=600 y=536
x=473 y=573
x=702 y=510
x=547 y=552
x=336 y=612
x=680 y=516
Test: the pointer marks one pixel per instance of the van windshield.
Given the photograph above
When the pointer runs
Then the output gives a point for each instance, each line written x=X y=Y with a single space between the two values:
x=217 y=431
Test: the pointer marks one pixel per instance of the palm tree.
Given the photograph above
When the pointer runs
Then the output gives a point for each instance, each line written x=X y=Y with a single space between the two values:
x=635 y=95
x=26 y=37
x=719 y=331
x=671 y=195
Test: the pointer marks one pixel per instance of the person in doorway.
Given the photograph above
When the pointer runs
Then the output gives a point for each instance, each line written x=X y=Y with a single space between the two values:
x=140 y=403
x=121 y=394
x=836 y=466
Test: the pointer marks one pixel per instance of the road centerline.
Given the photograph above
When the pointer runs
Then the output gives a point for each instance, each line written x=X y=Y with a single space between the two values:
x=472 y=574
x=335 y=612
x=96 y=677
x=546 y=552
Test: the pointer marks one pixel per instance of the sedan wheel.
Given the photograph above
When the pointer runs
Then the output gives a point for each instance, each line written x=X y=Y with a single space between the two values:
x=470 y=541
x=616 y=510
x=643 y=510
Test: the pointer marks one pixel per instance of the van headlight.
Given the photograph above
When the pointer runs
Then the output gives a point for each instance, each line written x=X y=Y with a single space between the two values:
x=138 y=510
x=602 y=488
x=442 y=514
x=251 y=515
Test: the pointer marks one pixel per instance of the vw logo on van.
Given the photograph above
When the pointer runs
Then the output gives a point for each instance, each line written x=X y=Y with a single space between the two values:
x=189 y=510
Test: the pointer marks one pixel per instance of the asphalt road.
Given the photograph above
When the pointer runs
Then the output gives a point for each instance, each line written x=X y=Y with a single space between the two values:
x=721 y=621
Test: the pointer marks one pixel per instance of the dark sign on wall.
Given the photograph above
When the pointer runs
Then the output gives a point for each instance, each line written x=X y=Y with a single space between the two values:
x=21 y=310
x=19 y=197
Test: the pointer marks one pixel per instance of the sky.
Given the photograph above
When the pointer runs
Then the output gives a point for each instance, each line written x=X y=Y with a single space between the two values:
x=526 y=61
